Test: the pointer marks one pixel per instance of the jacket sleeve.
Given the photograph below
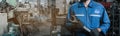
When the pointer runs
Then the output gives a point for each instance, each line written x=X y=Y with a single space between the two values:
x=105 y=22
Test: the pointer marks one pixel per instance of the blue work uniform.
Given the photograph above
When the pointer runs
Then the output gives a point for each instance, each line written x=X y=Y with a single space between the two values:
x=94 y=16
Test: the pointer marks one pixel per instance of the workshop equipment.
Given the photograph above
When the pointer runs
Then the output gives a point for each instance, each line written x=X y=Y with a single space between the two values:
x=5 y=7
x=27 y=24
x=13 y=30
x=54 y=30
x=32 y=21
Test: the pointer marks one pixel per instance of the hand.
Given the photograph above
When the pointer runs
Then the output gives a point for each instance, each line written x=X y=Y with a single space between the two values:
x=94 y=32
x=99 y=30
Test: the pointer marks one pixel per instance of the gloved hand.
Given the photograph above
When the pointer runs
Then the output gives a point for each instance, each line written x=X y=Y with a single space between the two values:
x=94 y=32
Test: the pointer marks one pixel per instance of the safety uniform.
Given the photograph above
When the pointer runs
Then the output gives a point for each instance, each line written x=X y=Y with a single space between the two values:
x=94 y=16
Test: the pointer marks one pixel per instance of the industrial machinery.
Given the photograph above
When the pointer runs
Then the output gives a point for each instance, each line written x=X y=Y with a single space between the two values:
x=13 y=30
x=115 y=19
x=32 y=18
x=5 y=7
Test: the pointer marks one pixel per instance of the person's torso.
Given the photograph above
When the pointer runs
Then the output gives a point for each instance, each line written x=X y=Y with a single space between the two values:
x=89 y=16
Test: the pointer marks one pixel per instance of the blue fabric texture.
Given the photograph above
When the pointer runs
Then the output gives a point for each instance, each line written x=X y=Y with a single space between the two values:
x=94 y=16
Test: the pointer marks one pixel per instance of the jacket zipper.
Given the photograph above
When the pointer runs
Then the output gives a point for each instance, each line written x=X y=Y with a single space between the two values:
x=87 y=15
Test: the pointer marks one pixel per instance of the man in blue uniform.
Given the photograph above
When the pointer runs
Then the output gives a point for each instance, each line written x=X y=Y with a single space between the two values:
x=92 y=15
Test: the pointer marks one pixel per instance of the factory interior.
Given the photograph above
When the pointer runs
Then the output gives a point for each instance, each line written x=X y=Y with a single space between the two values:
x=47 y=17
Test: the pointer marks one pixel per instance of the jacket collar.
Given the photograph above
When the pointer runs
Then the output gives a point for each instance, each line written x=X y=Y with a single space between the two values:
x=81 y=4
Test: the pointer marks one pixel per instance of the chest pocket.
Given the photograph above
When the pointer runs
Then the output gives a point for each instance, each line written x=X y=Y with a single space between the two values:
x=95 y=18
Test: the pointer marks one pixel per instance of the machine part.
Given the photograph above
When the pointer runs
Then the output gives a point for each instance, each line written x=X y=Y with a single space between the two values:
x=27 y=25
x=5 y=7
x=56 y=31
x=13 y=30
x=4 y=4
x=53 y=31
x=12 y=2
x=11 y=14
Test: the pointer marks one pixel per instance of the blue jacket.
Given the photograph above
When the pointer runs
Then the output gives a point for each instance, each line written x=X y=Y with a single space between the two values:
x=95 y=16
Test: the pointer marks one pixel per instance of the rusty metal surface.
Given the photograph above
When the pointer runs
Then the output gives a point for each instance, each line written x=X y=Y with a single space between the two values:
x=36 y=19
x=33 y=23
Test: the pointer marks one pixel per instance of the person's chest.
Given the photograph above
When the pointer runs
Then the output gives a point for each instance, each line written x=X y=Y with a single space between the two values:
x=89 y=15
x=88 y=12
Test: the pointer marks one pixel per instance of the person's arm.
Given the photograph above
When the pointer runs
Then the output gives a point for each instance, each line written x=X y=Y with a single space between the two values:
x=105 y=22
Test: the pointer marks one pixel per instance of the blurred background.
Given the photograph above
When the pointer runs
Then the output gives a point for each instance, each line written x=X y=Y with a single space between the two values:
x=46 y=17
